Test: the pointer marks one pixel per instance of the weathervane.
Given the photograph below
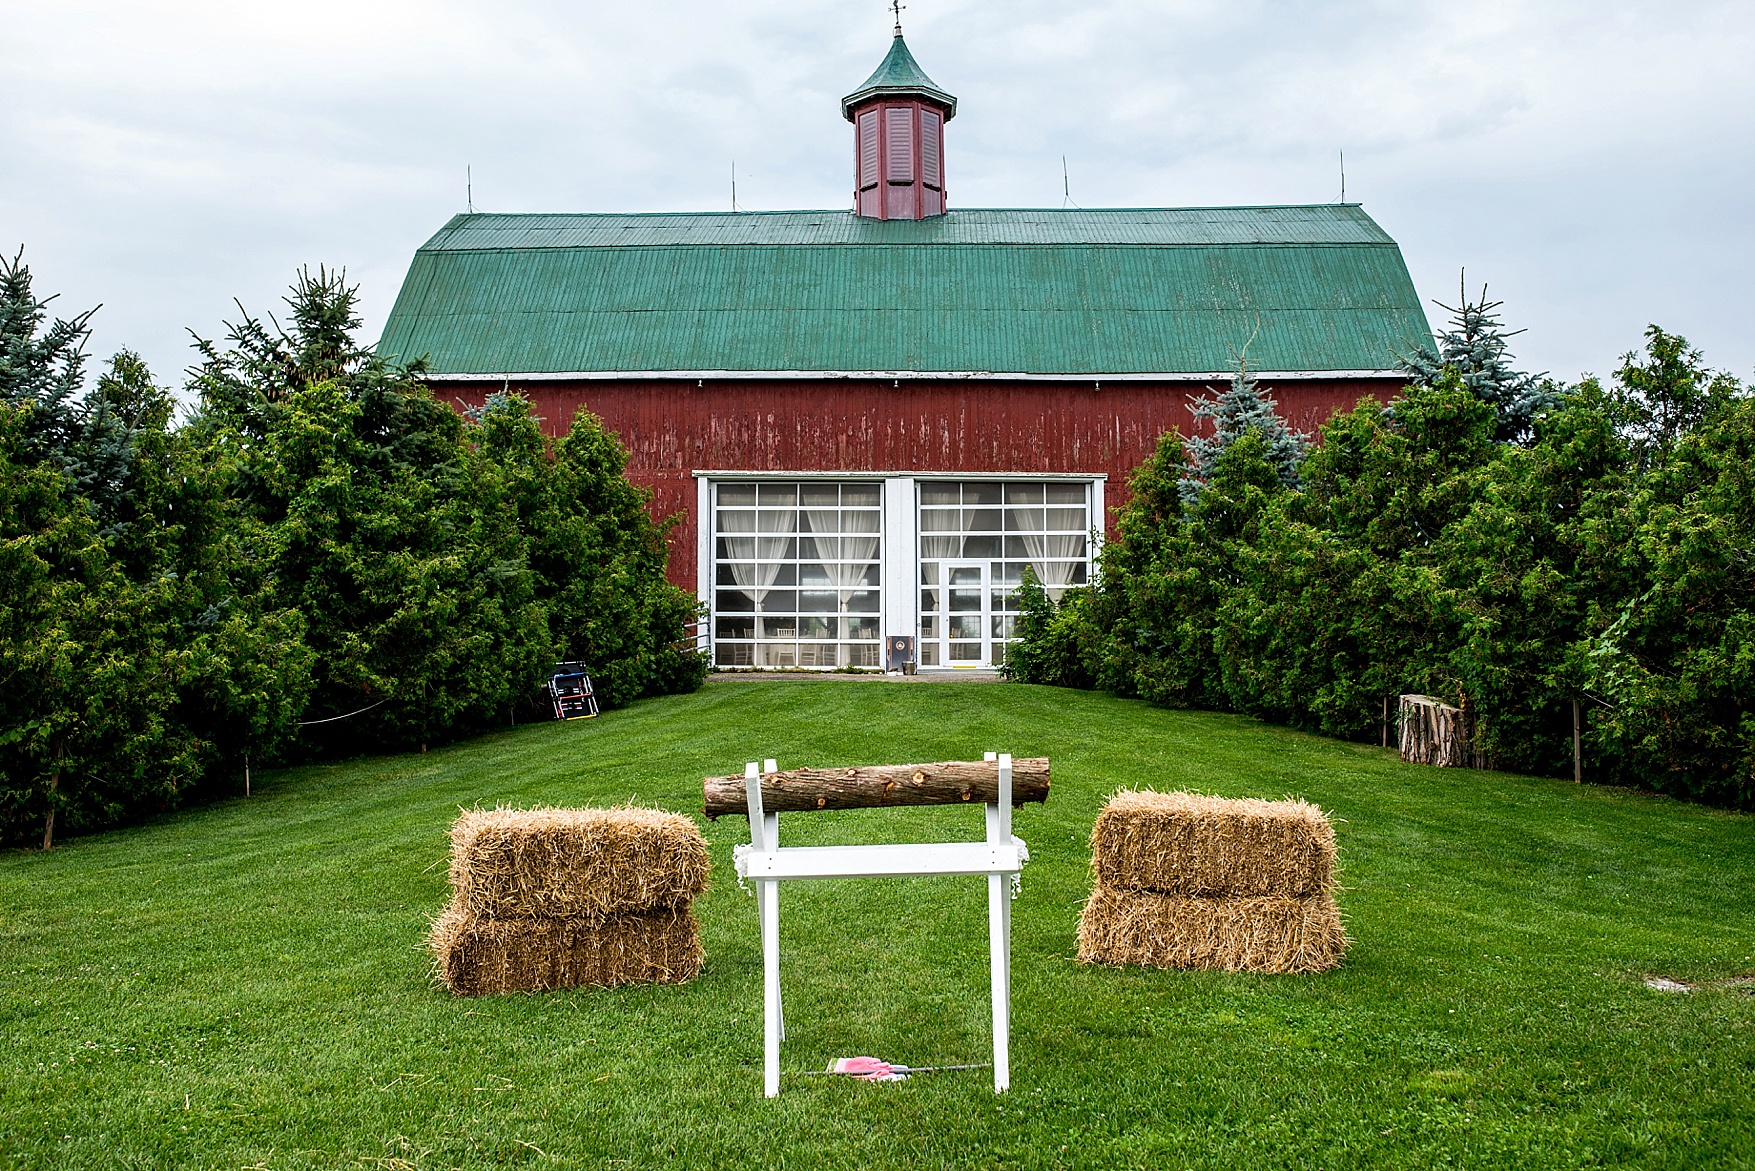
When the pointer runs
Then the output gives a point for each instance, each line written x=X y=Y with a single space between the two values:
x=897 y=6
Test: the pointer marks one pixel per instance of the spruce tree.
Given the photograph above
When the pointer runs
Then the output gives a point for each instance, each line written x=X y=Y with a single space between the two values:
x=43 y=371
x=1476 y=347
x=1243 y=407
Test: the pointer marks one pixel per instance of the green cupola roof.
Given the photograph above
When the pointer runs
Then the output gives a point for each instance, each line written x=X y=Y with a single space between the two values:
x=899 y=76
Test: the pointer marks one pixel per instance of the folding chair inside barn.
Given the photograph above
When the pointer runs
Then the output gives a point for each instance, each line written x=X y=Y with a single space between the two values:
x=1001 y=857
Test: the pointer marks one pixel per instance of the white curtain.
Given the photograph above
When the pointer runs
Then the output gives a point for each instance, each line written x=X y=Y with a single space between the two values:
x=755 y=576
x=859 y=522
x=847 y=575
x=1052 y=557
x=819 y=520
x=778 y=522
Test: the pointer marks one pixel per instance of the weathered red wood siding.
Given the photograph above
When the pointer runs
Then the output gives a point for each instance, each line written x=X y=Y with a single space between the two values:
x=672 y=428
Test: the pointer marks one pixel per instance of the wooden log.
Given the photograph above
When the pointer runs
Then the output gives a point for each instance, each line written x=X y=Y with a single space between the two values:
x=1429 y=731
x=948 y=782
x=1433 y=732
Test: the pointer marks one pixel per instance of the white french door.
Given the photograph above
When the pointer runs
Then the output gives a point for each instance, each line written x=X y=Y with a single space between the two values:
x=968 y=616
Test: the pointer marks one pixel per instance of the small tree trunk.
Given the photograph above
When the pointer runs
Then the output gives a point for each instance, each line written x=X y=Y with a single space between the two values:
x=49 y=820
x=1385 y=743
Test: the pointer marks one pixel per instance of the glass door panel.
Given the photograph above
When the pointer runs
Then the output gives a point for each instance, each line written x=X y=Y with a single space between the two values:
x=966 y=615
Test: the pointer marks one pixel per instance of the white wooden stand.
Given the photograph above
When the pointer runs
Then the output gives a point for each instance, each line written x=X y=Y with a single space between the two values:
x=1001 y=857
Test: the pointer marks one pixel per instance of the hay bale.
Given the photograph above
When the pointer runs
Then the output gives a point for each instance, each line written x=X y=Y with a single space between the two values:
x=479 y=956
x=1187 y=881
x=1187 y=844
x=1268 y=933
x=574 y=863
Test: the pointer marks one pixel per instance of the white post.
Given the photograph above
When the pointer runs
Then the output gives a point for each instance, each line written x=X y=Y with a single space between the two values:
x=768 y=906
x=999 y=926
x=752 y=796
x=771 y=824
x=901 y=558
x=704 y=560
x=1005 y=798
x=771 y=1023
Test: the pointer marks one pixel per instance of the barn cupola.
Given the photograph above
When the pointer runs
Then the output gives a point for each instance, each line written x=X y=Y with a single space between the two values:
x=899 y=118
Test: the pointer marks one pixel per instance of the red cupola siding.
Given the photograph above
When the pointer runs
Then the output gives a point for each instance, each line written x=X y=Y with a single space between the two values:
x=869 y=424
x=899 y=118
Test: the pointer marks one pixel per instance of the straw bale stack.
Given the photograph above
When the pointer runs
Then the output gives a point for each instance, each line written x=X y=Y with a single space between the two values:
x=1186 y=881
x=480 y=956
x=562 y=898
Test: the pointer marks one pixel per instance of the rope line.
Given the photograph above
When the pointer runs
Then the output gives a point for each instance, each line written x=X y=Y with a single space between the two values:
x=350 y=715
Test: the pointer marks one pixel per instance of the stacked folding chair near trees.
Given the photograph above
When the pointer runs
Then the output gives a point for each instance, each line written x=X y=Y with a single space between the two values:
x=571 y=692
x=1187 y=881
x=562 y=898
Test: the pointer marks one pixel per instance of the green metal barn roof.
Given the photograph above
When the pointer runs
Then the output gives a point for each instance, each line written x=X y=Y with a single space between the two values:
x=1322 y=289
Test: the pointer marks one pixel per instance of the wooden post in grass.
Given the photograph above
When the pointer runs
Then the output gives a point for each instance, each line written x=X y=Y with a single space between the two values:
x=49 y=819
x=246 y=774
x=1386 y=721
x=1577 y=758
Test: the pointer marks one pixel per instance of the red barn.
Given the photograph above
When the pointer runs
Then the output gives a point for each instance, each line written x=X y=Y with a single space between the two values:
x=870 y=421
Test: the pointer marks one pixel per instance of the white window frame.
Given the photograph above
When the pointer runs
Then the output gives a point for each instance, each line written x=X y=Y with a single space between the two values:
x=899 y=546
x=707 y=574
x=1096 y=514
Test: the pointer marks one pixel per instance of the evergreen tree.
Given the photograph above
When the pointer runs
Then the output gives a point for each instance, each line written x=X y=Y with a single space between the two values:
x=1476 y=347
x=1052 y=644
x=440 y=562
x=127 y=659
x=363 y=512
x=1535 y=567
x=1243 y=407
x=1672 y=676
x=1667 y=395
x=599 y=559
x=321 y=536
x=44 y=369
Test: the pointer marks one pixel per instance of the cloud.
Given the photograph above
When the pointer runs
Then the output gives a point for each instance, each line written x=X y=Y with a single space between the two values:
x=1588 y=159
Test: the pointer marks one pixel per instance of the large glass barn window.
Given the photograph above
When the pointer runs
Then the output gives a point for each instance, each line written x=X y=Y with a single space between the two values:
x=975 y=539
x=797 y=574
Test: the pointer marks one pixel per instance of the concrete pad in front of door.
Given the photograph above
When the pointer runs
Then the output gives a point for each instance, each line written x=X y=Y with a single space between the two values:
x=758 y=676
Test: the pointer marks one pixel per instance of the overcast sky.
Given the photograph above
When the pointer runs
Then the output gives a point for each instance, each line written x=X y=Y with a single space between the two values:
x=1592 y=160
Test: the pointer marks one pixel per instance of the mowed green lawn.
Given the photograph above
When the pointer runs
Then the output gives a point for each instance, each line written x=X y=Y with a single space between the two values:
x=246 y=986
